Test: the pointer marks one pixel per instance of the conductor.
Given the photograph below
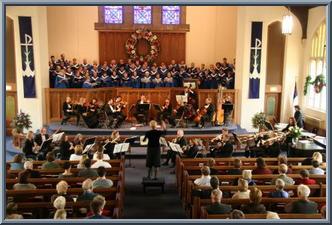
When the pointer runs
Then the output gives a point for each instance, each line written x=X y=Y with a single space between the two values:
x=153 y=151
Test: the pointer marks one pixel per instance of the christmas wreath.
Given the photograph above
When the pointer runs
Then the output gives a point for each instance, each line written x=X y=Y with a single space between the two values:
x=147 y=35
x=319 y=82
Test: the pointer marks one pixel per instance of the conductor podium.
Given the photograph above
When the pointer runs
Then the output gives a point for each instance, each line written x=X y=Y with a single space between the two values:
x=159 y=182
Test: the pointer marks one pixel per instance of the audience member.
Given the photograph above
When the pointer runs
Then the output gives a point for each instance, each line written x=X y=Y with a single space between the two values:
x=316 y=168
x=216 y=206
x=272 y=215
x=100 y=162
x=279 y=192
x=50 y=164
x=66 y=166
x=11 y=211
x=204 y=180
x=247 y=175
x=17 y=163
x=78 y=153
x=255 y=206
x=87 y=194
x=237 y=167
x=28 y=166
x=305 y=178
x=101 y=181
x=212 y=163
x=303 y=205
x=87 y=171
x=243 y=191
x=59 y=203
x=80 y=165
x=261 y=167
x=61 y=189
x=237 y=214
x=282 y=175
x=97 y=205
x=23 y=183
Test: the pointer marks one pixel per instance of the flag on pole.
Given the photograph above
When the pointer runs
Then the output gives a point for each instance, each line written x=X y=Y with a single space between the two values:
x=295 y=96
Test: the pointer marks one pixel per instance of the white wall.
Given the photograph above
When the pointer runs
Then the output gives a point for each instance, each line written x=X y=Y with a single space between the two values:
x=316 y=16
x=292 y=65
x=33 y=106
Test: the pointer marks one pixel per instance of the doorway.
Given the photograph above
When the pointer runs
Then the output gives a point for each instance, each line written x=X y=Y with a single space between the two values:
x=274 y=71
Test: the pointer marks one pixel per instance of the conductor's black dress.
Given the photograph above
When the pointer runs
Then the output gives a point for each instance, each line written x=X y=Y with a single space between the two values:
x=153 y=152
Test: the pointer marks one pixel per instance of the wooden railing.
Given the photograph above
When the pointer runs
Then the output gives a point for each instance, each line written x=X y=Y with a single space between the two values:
x=55 y=97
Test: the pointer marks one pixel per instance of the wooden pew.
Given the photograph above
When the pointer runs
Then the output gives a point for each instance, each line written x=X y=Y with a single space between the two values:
x=205 y=215
x=196 y=200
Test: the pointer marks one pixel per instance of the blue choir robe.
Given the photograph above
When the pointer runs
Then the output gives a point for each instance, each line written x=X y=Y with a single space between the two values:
x=163 y=72
x=135 y=82
x=53 y=76
x=182 y=65
x=105 y=70
x=146 y=82
x=229 y=82
x=115 y=81
x=226 y=68
x=61 y=81
x=87 y=65
x=153 y=73
x=202 y=79
x=95 y=81
x=125 y=82
x=70 y=77
x=213 y=81
x=120 y=73
x=131 y=71
x=93 y=70
x=157 y=82
x=168 y=82
x=78 y=81
x=105 y=80
x=177 y=79
x=142 y=71
x=75 y=67
x=87 y=84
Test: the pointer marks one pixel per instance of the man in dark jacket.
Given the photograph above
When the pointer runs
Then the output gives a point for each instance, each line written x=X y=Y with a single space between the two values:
x=217 y=207
x=298 y=117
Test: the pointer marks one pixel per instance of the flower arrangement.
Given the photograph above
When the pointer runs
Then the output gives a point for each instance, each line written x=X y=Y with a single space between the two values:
x=146 y=34
x=21 y=121
x=258 y=121
x=319 y=82
x=294 y=132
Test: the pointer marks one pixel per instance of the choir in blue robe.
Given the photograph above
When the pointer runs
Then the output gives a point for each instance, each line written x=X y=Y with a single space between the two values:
x=125 y=82
x=135 y=81
x=115 y=81
x=168 y=82
x=95 y=81
x=163 y=72
x=213 y=81
x=157 y=82
x=61 y=81
x=78 y=81
x=105 y=80
x=146 y=82
x=87 y=83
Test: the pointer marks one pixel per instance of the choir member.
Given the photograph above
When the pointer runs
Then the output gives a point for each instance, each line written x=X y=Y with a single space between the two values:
x=135 y=80
x=168 y=80
x=125 y=80
x=87 y=83
x=157 y=82
x=115 y=80
x=61 y=81
x=146 y=80
x=163 y=71
x=105 y=80
x=95 y=80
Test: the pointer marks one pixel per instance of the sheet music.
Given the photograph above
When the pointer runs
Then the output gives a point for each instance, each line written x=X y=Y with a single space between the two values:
x=175 y=147
x=143 y=143
x=162 y=141
x=123 y=147
x=57 y=137
x=87 y=148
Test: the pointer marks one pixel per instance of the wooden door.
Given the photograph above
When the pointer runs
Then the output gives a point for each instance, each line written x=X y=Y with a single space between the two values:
x=272 y=106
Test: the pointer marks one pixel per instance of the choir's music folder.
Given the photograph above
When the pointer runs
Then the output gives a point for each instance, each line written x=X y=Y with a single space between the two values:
x=57 y=137
x=119 y=148
x=89 y=142
x=175 y=147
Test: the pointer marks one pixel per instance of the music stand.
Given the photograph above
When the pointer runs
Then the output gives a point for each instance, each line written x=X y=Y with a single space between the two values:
x=131 y=141
x=44 y=148
x=109 y=148
x=89 y=142
x=175 y=147
x=228 y=108
x=57 y=137
x=144 y=109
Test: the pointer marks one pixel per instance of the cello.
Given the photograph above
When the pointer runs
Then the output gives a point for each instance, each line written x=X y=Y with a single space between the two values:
x=201 y=112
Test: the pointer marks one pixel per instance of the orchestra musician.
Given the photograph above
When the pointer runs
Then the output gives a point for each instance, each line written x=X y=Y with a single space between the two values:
x=30 y=147
x=110 y=112
x=166 y=113
x=118 y=114
x=205 y=114
x=191 y=96
x=180 y=140
x=139 y=111
x=42 y=136
x=91 y=116
x=224 y=147
x=68 y=111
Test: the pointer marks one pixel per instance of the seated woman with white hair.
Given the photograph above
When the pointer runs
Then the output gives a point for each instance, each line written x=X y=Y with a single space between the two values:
x=303 y=205
x=217 y=207
x=243 y=191
x=316 y=156
x=28 y=166
x=247 y=175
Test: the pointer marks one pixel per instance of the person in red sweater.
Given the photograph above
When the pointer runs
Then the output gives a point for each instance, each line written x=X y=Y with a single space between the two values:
x=305 y=178
x=261 y=167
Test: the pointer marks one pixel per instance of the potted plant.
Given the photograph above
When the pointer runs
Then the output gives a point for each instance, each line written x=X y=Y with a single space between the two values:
x=21 y=121
x=258 y=121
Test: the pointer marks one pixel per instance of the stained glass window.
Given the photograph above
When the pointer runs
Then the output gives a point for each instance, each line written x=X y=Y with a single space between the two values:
x=142 y=14
x=171 y=14
x=113 y=14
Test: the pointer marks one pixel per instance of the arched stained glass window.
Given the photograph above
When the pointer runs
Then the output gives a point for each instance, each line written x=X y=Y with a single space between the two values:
x=317 y=66
x=170 y=14
x=113 y=14
x=142 y=14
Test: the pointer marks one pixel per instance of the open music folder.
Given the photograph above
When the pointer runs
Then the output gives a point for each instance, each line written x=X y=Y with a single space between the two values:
x=88 y=148
x=119 y=148
x=175 y=147
x=57 y=137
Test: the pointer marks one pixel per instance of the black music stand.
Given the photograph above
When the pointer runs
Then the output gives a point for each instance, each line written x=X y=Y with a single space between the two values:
x=131 y=141
x=44 y=149
x=109 y=149
x=144 y=110
x=228 y=108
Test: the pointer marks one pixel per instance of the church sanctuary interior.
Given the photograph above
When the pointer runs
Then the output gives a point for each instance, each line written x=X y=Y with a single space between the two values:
x=166 y=112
